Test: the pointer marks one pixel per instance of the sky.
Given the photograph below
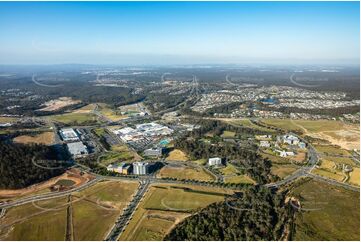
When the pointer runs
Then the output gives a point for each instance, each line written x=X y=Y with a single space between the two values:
x=179 y=32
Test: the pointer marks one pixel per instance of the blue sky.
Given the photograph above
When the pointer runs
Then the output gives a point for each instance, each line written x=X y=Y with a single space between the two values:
x=179 y=32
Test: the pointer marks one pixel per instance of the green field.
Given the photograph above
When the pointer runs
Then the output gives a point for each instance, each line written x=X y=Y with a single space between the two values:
x=331 y=150
x=180 y=173
x=283 y=170
x=337 y=217
x=247 y=123
x=164 y=206
x=94 y=212
x=94 y=215
x=228 y=134
x=74 y=118
x=27 y=222
x=119 y=153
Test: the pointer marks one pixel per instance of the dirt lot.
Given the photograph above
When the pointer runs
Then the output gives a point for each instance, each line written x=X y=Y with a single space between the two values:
x=72 y=174
x=177 y=155
x=46 y=138
x=59 y=103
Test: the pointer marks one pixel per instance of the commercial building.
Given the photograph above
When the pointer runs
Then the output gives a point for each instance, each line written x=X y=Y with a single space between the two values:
x=140 y=168
x=285 y=153
x=69 y=135
x=154 y=152
x=290 y=139
x=264 y=143
x=77 y=149
x=214 y=161
x=121 y=168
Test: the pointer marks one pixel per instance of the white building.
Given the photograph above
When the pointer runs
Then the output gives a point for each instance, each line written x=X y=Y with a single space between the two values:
x=290 y=139
x=77 y=149
x=140 y=168
x=214 y=161
x=69 y=135
x=286 y=153
x=116 y=167
x=264 y=143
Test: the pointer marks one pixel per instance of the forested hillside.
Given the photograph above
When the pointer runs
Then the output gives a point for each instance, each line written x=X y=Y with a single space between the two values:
x=257 y=214
x=17 y=169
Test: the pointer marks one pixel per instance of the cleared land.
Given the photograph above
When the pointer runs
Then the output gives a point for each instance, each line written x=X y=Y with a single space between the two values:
x=94 y=215
x=335 y=214
x=183 y=172
x=346 y=136
x=44 y=187
x=59 y=103
x=86 y=109
x=78 y=118
x=164 y=206
x=177 y=155
x=355 y=176
x=109 y=113
x=331 y=150
x=35 y=222
x=46 y=138
x=283 y=170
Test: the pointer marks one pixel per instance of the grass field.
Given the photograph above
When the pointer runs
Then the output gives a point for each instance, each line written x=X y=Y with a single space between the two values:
x=177 y=155
x=331 y=150
x=340 y=160
x=185 y=173
x=228 y=134
x=229 y=170
x=119 y=153
x=110 y=113
x=346 y=136
x=74 y=117
x=27 y=222
x=355 y=176
x=95 y=215
x=247 y=123
x=283 y=170
x=46 y=138
x=200 y=161
x=8 y=119
x=86 y=109
x=164 y=206
x=337 y=214
x=94 y=212
x=332 y=174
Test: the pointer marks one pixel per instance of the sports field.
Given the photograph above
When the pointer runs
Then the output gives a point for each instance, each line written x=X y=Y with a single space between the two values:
x=164 y=206
x=334 y=212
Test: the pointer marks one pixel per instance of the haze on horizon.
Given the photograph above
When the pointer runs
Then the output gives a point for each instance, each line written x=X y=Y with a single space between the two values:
x=179 y=32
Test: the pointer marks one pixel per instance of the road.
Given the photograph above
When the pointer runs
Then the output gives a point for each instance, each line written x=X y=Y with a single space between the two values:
x=306 y=170
x=47 y=196
x=128 y=212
